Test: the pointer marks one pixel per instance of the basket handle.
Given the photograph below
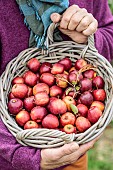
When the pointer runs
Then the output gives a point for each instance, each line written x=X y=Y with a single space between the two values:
x=90 y=44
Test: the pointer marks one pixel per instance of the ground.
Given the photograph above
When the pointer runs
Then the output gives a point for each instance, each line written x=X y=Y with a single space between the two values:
x=101 y=156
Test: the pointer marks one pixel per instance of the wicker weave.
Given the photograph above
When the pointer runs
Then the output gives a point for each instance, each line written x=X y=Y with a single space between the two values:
x=46 y=138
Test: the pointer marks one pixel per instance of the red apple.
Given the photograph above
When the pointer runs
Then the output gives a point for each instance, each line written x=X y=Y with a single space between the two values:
x=80 y=63
x=56 y=91
x=22 y=117
x=72 y=78
x=15 y=105
x=82 y=110
x=40 y=87
x=67 y=118
x=33 y=64
x=30 y=125
x=94 y=113
x=99 y=95
x=68 y=101
x=38 y=113
x=82 y=124
x=62 y=80
x=69 y=129
x=41 y=99
x=57 y=106
x=86 y=85
x=10 y=96
x=98 y=104
x=47 y=78
x=90 y=74
x=29 y=103
x=57 y=68
x=86 y=98
x=75 y=76
x=98 y=82
x=50 y=121
x=17 y=80
x=30 y=78
x=45 y=67
x=66 y=62
x=19 y=90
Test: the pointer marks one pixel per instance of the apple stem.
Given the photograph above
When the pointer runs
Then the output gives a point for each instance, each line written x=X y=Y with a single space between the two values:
x=75 y=92
x=58 y=96
x=74 y=95
x=63 y=79
x=69 y=83
x=97 y=86
x=85 y=68
x=59 y=116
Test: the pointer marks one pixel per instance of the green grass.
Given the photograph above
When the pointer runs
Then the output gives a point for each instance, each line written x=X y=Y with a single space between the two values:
x=101 y=156
x=95 y=164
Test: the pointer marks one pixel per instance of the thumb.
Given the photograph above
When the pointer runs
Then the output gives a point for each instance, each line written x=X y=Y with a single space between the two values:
x=66 y=149
x=55 y=17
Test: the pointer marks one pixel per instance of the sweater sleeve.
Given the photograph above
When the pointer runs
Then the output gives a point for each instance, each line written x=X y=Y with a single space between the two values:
x=20 y=157
x=104 y=34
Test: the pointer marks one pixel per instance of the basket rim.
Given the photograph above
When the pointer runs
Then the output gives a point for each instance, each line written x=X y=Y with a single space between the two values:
x=69 y=137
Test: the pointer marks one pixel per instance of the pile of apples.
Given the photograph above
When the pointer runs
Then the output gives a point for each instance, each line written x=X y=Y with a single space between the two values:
x=66 y=96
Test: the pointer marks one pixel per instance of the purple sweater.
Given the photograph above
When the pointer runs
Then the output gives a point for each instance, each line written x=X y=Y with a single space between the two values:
x=14 y=38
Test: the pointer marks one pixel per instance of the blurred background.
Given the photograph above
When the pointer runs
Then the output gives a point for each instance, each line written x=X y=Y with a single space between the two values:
x=111 y=5
x=101 y=155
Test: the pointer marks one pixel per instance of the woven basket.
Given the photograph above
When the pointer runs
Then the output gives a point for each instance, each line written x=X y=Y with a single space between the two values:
x=46 y=138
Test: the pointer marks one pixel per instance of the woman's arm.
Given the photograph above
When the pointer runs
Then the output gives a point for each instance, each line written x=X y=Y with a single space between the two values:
x=20 y=157
x=104 y=34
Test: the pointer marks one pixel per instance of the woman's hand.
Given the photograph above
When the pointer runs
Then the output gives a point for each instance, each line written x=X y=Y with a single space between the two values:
x=77 y=23
x=65 y=155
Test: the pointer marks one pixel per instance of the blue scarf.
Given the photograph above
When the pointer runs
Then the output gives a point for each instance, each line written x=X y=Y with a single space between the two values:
x=37 y=17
